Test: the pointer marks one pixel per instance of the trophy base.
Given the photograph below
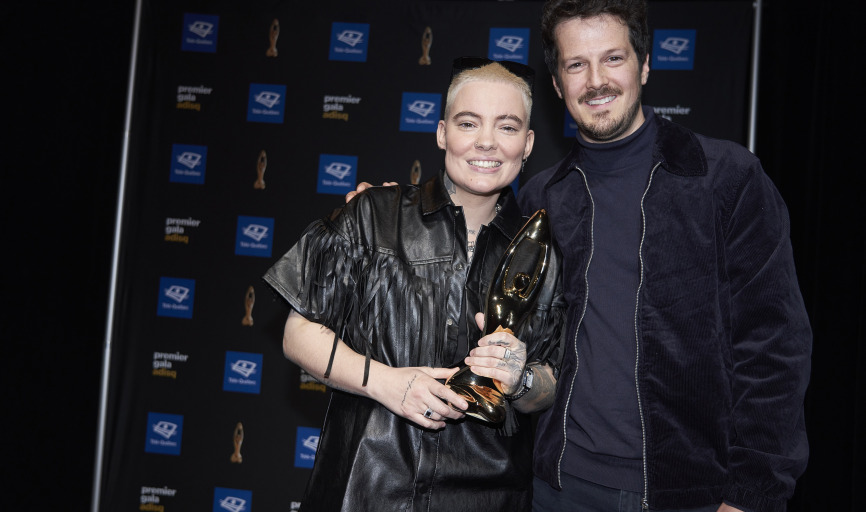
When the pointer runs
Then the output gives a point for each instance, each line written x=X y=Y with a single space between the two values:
x=485 y=401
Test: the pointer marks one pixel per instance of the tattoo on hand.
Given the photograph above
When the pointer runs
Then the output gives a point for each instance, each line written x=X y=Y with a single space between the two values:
x=408 y=388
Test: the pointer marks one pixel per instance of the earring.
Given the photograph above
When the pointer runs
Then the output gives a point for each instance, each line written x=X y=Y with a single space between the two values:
x=523 y=165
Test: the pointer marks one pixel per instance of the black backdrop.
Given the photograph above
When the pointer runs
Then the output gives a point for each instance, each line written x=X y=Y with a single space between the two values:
x=65 y=76
x=175 y=365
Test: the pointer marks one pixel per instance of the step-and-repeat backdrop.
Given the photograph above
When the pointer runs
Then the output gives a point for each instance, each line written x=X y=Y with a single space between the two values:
x=249 y=120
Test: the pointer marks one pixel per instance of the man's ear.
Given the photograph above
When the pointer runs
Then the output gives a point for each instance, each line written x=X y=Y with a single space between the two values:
x=556 y=86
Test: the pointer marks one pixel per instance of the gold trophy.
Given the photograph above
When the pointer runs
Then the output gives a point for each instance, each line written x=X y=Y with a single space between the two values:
x=249 y=300
x=261 y=165
x=510 y=300
x=238 y=439
x=273 y=35
x=426 y=43
x=415 y=173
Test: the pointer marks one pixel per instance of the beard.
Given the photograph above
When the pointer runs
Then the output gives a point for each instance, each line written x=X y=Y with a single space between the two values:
x=604 y=127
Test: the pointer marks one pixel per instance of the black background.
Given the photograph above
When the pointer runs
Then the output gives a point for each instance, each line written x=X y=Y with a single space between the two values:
x=65 y=72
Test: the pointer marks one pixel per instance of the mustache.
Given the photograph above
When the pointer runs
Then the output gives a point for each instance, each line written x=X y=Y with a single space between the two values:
x=599 y=93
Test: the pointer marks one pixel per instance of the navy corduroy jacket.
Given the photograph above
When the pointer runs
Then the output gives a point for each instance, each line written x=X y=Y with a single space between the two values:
x=722 y=338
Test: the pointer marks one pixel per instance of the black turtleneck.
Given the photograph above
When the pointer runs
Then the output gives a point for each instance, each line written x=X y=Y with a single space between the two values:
x=604 y=431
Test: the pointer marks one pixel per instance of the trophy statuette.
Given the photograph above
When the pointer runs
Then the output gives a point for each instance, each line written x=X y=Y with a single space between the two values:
x=237 y=440
x=249 y=301
x=261 y=165
x=273 y=34
x=510 y=300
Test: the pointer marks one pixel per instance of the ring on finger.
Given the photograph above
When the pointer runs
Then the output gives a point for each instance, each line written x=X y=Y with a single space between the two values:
x=428 y=413
x=507 y=353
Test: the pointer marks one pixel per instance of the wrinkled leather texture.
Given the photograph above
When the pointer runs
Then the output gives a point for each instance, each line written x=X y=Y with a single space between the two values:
x=388 y=272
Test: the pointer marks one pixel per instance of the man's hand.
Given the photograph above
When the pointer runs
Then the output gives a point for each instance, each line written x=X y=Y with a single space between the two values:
x=364 y=186
x=728 y=508
x=500 y=356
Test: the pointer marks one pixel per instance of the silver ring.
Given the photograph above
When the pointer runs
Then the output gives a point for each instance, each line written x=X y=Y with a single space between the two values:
x=507 y=353
x=428 y=413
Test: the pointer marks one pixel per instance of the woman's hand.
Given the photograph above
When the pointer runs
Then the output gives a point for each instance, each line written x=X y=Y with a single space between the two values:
x=413 y=391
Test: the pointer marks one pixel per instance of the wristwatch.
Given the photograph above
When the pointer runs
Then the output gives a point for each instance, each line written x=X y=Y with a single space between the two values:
x=525 y=386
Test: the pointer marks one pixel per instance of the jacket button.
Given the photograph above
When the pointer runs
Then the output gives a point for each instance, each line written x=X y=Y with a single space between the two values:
x=449 y=322
x=459 y=266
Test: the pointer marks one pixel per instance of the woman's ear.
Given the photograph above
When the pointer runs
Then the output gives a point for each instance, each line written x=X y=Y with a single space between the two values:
x=440 y=135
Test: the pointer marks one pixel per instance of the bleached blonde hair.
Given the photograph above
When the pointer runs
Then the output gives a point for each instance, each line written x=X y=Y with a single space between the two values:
x=493 y=72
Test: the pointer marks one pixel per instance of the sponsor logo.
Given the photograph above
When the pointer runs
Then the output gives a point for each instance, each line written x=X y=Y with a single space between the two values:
x=670 y=112
x=176 y=297
x=306 y=443
x=188 y=164
x=349 y=41
x=337 y=174
x=334 y=106
x=338 y=170
x=232 y=500
x=177 y=229
x=253 y=236
x=243 y=372
x=420 y=112
x=266 y=103
x=151 y=498
x=509 y=44
x=199 y=33
x=309 y=383
x=164 y=433
x=188 y=96
x=674 y=49
x=164 y=363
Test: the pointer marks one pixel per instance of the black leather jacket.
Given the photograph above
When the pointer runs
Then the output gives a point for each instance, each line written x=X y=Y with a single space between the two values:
x=389 y=272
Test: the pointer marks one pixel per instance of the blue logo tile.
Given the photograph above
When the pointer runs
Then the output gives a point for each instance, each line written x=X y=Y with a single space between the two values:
x=243 y=372
x=254 y=236
x=176 y=297
x=673 y=49
x=509 y=44
x=349 y=41
x=306 y=443
x=199 y=33
x=164 y=433
x=337 y=174
x=267 y=103
x=188 y=164
x=232 y=500
x=420 y=112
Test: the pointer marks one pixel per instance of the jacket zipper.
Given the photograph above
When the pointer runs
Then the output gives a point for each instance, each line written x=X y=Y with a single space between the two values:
x=645 y=499
x=577 y=329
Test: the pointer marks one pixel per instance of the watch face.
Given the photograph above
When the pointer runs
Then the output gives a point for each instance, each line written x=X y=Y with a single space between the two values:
x=529 y=376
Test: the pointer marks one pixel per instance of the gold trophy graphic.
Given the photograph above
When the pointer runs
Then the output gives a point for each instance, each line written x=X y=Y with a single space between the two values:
x=510 y=300
x=273 y=35
x=249 y=300
x=415 y=173
x=238 y=439
x=426 y=43
x=261 y=165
